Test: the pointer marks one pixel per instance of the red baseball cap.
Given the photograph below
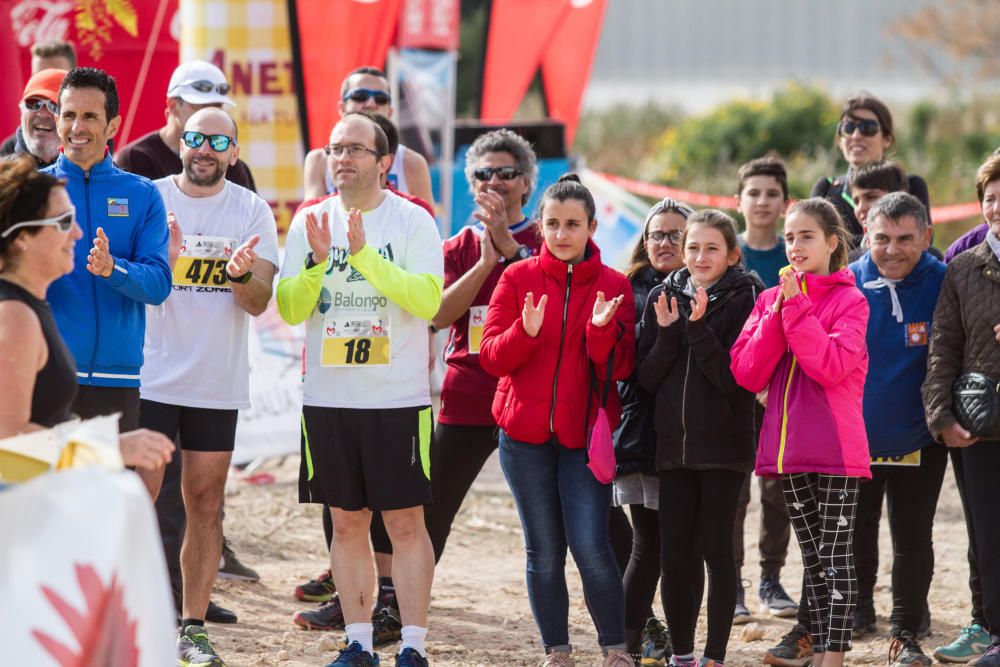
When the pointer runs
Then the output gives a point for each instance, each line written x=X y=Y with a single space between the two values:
x=45 y=84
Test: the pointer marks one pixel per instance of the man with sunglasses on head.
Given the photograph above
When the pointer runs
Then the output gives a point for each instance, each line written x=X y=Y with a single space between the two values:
x=366 y=89
x=121 y=266
x=363 y=270
x=193 y=85
x=39 y=106
x=197 y=372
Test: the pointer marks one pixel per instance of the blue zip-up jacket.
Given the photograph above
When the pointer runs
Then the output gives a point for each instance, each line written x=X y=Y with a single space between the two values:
x=897 y=354
x=103 y=320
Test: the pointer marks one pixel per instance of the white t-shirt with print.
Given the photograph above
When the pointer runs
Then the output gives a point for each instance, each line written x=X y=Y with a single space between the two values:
x=197 y=342
x=388 y=368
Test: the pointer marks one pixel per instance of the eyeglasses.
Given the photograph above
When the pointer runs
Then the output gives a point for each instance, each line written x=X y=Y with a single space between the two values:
x=362 y=95
x=868 y=127
x=355 y=151
x=64 y=221
x=38 y=105
x=504 y=173
x=205 y=86
x=218 y=142
x=672 y=237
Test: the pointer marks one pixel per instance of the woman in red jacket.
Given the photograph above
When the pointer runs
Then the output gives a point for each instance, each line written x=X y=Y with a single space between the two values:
x=555 y=324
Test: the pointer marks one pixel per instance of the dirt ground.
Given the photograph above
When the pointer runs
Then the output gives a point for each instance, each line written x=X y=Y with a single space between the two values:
x=479 y=613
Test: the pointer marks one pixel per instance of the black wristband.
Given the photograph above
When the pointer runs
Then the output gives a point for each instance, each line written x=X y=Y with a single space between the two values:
x=242 y=280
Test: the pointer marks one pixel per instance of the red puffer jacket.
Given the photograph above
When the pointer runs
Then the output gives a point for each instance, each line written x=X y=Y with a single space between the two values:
x=545 y=381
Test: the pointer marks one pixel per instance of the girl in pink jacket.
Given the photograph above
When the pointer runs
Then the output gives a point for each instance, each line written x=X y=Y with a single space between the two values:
x=805 y=343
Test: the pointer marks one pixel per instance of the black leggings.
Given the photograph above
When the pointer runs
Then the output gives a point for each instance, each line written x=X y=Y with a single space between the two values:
x=643 y=570
x=822 y=509
x=912 y=496
x=697 y=511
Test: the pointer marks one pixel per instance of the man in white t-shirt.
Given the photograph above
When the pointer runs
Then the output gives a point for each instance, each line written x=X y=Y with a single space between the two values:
x=364 y=270
x=196 y=375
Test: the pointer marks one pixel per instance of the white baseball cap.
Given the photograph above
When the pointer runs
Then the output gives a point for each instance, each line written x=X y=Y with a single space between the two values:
x=199 y=82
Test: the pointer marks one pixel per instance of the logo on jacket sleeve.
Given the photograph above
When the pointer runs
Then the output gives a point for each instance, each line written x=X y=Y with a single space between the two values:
x=117 y=207
x=916 y=334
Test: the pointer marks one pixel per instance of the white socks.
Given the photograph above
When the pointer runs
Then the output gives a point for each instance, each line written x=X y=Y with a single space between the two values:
x=413 y=637
x=362 y=634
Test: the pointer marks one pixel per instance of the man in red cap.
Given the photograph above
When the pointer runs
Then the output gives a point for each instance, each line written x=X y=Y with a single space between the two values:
x=39 y=110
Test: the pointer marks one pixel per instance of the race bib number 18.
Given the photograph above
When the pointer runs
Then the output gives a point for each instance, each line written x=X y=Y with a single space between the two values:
x=355 y=341
x=202 y=261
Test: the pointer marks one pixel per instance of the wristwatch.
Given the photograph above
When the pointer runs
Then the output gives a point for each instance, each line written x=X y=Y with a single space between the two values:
x=522 y=252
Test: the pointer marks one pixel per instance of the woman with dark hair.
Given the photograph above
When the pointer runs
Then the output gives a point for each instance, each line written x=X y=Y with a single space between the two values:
x=37 y=233
x=864 y=134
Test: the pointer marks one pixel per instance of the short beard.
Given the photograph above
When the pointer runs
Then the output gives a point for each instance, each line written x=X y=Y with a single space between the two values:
x=46 y=151
x=207 y=181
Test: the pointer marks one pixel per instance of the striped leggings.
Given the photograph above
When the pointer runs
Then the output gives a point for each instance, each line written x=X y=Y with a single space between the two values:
x=822 y=510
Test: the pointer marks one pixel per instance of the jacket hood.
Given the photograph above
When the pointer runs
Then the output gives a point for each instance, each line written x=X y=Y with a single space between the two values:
x=733 y=281
x=867 y=270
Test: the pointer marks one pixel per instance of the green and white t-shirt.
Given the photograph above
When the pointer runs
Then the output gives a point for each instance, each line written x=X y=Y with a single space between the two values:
x=366 y=347
x=197 y=342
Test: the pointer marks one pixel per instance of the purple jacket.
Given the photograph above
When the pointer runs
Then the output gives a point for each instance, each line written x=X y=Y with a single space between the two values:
x=969 y=239
x=812 y=358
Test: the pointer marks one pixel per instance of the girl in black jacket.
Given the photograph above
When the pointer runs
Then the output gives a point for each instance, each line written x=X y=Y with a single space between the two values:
x=704 y=427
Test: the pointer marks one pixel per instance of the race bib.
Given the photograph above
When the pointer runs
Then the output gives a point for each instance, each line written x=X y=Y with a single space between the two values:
x=477 y=320
x=354 y=340
x=910 y=460
x=202 y=261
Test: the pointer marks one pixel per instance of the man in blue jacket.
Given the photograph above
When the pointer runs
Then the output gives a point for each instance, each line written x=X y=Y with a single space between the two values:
x=901 y=281
x=101 y=306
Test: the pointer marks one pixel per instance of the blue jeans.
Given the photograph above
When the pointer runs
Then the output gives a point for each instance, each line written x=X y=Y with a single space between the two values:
x=560 y=503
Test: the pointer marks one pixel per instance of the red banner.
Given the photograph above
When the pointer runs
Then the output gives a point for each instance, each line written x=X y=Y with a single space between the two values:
x=567 y=61
x=335 y=37
x=520 y=31
x=429 y=24
x=132 y=41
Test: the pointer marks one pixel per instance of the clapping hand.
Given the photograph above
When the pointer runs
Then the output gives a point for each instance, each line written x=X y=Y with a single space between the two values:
x=604 y=310
x=318 y=236
x=666 y=313
x=532 y=314
x=243 y=258
x=355 y=231
x=99 y=261
x=699 y=304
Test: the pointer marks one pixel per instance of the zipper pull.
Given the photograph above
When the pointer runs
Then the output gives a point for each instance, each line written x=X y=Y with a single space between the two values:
x=569 y=269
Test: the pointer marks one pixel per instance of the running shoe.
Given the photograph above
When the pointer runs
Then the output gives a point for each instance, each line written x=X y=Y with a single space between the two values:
x=328 y=616
x=194 y=649
x=741 y=614
x=558 y=659
x=972 y=642
x=409 y=657
x=320 y=589
x=656 y=647
x=387 y=628
x=905 y=651
x=618 y=658
x=682 y=662
x=230 y=566
x=989 y=659
x=355 y=656
x=864 y=619
x=386 y=599
x=216 y=614
x=708 y=662
x=775 y=601
x=794 y=649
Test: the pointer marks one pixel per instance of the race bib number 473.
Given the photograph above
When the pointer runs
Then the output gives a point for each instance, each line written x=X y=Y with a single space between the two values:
x=202 y=261
x=355 y=341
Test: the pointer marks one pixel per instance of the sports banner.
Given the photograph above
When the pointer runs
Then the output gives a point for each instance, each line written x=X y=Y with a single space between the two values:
x=249 y=41
x=429 y=24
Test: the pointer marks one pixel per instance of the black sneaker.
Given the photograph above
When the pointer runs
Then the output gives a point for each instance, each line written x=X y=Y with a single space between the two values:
x=656 y=645
x=328 y=616
x=216 y=614
x=230 y=566
x=741 y=614
x=864 y=619
x=387 y=628
x=904 y=651
x=409 y=657
x=775 y=601
x=355 y=656
x=194 y=649
x=794 y=649
x=320 y=589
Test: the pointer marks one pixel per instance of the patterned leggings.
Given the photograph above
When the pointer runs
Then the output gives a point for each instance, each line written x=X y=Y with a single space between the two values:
x=822 y=510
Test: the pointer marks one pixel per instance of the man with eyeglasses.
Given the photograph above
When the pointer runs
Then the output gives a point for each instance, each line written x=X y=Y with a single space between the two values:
x=100 y=307
x=366 y=89
x=193 y=85
x=366 y=285
x=196 y=375
x=37 y=135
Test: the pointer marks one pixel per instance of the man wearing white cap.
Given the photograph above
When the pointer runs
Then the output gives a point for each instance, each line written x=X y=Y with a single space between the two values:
x=193 y=85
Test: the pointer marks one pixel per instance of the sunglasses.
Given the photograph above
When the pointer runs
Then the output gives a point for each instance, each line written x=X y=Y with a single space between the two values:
x=672 y=237
x=205 y=86
x=362 y=95
x=63 y=221
x=504 y=173
x=218 y=142
x=868 y=127
x=38 y=105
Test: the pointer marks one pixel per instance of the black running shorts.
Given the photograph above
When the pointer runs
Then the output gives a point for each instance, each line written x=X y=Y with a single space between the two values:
x=201 y=429
x=377 y=459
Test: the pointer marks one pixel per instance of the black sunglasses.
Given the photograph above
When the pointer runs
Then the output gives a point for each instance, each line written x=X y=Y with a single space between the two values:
x=205 y=86
x=868 y=127
x=504 y=173
x=362 y=95
x=218 y=142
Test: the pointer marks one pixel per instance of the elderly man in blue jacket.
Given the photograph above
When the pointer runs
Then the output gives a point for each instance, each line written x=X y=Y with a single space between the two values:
x=101 y=306
x=901 y=281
